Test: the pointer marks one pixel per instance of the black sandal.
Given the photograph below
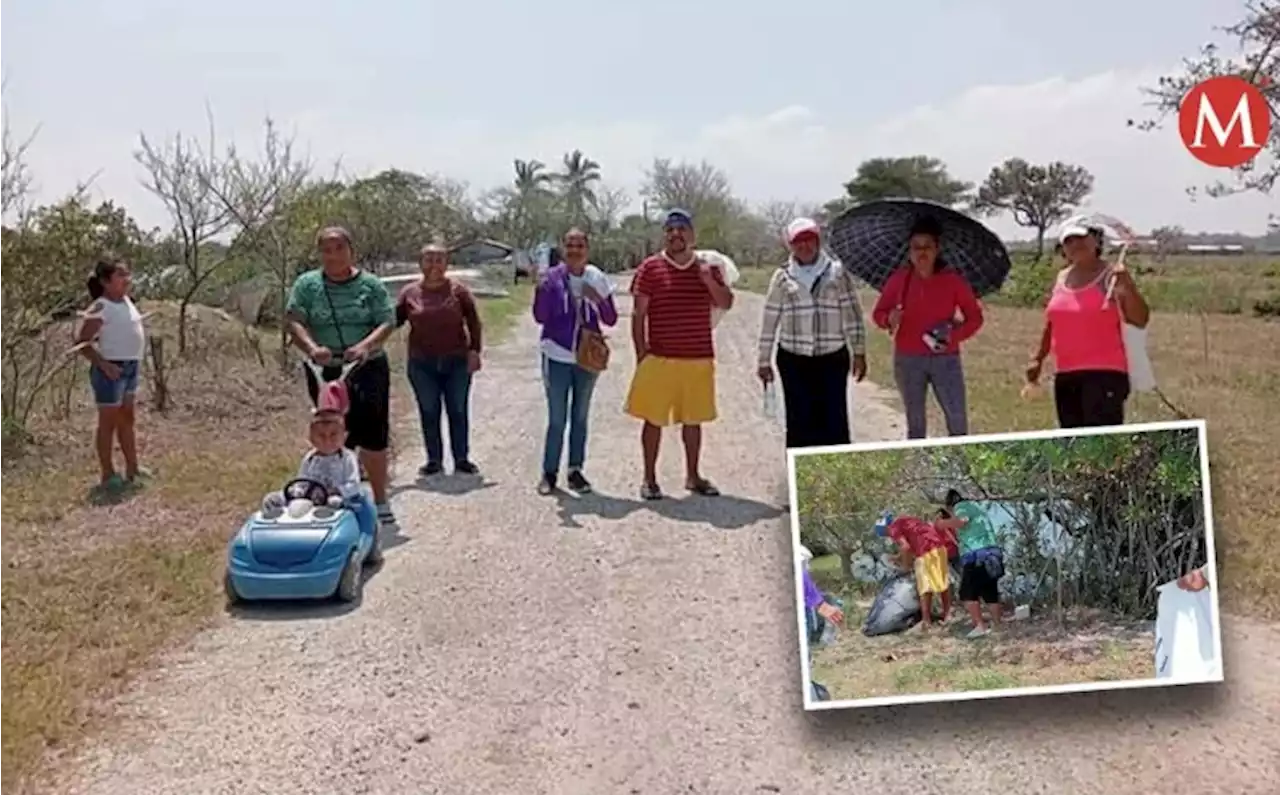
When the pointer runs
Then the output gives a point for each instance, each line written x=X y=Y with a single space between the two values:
x=650 y=491
x=704 y=487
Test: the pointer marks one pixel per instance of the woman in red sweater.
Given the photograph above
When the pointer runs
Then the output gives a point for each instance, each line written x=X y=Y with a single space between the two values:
x=929 y=309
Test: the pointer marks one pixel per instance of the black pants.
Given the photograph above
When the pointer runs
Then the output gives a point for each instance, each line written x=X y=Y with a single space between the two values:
x=977 y=585
x=815 y=390
x=369 y=415
x=1090 y=398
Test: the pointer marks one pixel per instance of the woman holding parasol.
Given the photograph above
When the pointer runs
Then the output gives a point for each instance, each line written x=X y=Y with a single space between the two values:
x=930 y=264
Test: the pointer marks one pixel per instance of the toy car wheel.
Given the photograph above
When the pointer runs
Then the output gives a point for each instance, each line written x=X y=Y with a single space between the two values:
x=375 y=551
x=234 y=598
x=349 y=584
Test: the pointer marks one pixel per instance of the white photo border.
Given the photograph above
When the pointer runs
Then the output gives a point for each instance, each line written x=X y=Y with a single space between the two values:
x=810 y=705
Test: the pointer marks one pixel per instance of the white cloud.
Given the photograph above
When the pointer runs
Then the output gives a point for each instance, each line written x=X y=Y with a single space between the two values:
x=789 y=153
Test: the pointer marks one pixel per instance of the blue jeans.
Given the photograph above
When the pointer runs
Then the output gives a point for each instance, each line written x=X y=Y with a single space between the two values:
x=945 y=373
x=366 y=512
x=437 y=381
x=569 y=389
x=108 y=393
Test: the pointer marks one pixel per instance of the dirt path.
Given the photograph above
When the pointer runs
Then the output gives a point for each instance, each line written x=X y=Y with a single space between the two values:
x=518 y=644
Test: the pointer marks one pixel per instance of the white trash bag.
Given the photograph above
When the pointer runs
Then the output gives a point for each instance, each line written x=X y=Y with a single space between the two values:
x=726 y=266
x=1184 y=636
x=1142 y=377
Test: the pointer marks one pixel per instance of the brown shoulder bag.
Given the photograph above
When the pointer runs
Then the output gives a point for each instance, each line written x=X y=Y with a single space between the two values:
x=592 y=350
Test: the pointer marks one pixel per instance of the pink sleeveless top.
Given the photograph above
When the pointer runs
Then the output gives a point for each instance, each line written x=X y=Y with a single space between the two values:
x=1085 y=328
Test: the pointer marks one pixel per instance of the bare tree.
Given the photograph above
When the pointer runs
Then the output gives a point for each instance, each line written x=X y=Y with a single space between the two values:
x=777 y=214
x=691 y=186
x=607 y=208
x=1168 y=239
x=187 y=179
x=16 y=184
x=261 y=196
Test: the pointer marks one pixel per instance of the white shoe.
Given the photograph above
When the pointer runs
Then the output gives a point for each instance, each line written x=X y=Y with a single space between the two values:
x=978 y=632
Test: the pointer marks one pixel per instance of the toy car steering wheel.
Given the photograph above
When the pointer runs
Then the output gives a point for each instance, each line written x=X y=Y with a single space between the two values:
x=305 y=489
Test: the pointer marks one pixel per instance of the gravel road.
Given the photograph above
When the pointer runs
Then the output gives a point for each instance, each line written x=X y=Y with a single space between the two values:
x=520 y=644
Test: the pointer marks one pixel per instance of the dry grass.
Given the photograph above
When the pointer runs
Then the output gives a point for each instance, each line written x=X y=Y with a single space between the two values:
x=1219 y=367
x=92 y=592
x=1031 y=653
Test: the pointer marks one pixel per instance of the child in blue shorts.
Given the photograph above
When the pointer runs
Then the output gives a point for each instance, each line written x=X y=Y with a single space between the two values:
x=112 y=338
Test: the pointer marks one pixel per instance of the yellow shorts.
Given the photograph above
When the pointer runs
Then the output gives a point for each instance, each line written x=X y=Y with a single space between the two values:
x=680 y=391
x=932 y=575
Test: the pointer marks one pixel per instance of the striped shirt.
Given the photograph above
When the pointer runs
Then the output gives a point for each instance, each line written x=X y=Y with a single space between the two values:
x=679 y=319
x=340 y=314
x=812 y=321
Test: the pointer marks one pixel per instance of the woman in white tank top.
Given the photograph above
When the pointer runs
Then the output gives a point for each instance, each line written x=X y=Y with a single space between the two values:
x=113 y=340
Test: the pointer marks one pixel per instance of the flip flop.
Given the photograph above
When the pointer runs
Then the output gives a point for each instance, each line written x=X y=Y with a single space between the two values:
x=650 y=491
x=704 y=487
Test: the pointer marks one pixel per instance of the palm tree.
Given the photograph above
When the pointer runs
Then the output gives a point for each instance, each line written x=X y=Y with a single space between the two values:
x=577 y=186
x=528 y=199
x=531 y=178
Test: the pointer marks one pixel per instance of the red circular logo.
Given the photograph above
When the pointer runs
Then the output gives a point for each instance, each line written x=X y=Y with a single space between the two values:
x=1224 y=121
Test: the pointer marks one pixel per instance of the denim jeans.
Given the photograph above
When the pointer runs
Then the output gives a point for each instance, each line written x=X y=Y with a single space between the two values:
x=437 y=381
x=366 y=512
x=915 y=374
x=569 y=389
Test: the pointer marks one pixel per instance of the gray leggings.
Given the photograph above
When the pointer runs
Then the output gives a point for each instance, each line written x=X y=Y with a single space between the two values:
x=915 y=374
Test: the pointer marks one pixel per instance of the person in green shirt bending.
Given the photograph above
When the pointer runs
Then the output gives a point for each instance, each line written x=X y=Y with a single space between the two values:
x=338 y=313
x=981 y=560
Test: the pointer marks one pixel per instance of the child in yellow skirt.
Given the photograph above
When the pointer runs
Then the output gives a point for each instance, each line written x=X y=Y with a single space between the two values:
x=925 y=546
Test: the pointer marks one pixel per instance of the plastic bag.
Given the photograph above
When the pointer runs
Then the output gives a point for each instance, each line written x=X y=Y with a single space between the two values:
x=727 y=267
x=1184 y=648
x=1142 y=377
x=770 y=406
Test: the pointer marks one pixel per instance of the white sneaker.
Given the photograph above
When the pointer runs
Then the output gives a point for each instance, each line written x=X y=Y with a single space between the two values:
x=978 y=632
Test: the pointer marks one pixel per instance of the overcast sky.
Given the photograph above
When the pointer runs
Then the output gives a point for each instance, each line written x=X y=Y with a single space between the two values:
x=786 y=97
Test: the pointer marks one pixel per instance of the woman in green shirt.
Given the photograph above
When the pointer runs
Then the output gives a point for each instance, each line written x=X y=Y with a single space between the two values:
x=339 y=313
x=981 y=560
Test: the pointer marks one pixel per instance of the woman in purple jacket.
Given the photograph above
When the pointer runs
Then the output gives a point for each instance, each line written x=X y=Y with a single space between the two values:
x=570 y=296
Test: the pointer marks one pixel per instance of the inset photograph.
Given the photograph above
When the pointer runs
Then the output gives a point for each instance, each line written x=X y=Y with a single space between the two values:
x=1012 y=564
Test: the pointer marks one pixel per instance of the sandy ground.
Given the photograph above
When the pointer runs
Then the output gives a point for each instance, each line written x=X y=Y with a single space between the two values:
x=520 y=644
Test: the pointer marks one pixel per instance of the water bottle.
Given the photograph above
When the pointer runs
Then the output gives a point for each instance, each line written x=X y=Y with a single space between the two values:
x=829 y=630
x=828 y=634
x=770 y=400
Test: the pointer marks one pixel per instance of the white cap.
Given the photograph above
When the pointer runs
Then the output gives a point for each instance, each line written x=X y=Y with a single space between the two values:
x=1073 y=228
x=802 y=226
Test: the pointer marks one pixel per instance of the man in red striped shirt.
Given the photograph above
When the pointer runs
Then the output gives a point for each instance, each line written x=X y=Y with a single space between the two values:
x=675 y=378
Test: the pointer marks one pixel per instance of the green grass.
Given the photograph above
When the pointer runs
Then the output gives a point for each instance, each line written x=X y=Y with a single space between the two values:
x=500 y=315
x=1030 y=653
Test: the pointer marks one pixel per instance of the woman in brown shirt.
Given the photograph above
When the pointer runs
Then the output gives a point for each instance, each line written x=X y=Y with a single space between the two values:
x=444 y=351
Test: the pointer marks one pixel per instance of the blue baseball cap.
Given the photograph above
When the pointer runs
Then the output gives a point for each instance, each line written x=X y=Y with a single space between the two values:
x=677 y=217
x=882 y=526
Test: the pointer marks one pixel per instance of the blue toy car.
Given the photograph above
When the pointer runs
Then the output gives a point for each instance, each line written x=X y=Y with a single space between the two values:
x=311 y=547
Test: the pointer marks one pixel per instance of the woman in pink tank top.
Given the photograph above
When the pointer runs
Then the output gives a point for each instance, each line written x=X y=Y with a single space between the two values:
x=1084 y=319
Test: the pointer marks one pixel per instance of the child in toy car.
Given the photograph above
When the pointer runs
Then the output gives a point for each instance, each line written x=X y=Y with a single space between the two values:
x=334 y=467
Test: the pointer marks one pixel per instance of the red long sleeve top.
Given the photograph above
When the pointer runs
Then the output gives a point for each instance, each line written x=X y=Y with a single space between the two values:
x=926 y=302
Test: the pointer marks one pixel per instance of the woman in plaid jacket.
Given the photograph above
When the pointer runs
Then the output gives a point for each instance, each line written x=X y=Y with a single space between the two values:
x=813 y=319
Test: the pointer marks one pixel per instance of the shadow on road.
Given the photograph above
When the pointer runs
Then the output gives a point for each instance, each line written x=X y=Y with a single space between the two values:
x=451 y=485
x=725 y=512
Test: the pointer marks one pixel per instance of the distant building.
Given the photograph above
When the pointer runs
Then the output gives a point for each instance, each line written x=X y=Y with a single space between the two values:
x=1223 y=249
